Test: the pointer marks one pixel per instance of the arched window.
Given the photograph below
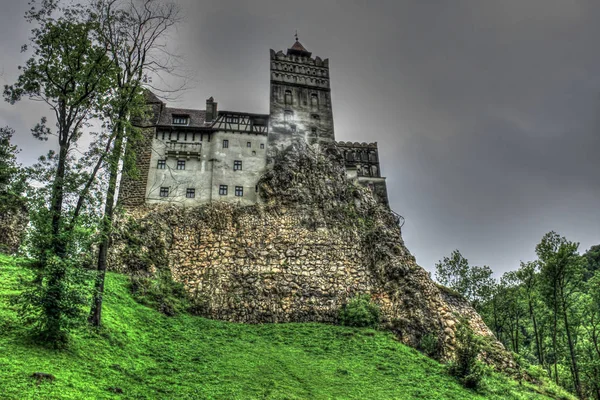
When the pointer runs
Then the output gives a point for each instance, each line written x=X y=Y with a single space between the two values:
x=288 y=98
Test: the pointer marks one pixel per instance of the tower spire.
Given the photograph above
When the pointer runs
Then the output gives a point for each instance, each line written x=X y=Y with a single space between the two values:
x=296 y=35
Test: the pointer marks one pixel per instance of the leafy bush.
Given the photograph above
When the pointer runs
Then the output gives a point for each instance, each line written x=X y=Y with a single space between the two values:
x=160 y=292
x=466 y=367
x=431 y=345
x=54 y=300
x=360 y=312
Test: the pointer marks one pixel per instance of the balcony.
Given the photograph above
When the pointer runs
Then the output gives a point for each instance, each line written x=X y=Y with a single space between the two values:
x=183 y=150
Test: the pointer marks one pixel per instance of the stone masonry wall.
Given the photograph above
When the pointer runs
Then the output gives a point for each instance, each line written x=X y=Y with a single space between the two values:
x=13 y=222
x=315 y=243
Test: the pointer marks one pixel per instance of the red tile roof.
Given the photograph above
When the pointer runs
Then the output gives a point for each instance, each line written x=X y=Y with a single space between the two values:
x=298 y=46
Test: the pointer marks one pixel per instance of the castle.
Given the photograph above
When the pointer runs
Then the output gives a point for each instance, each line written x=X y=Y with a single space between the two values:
x=305 y=243
x=194 y=156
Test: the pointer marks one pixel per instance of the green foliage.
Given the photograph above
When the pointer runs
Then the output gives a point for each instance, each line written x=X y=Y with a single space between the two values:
x=12 y=182
x=592 y=261
x=58 y=288
x=360 y=312
x=548 y=311
x=431 y=345
x=466 y=367
x=52 y=301
x=150 y=356
x=160 y=292
x=472 y=282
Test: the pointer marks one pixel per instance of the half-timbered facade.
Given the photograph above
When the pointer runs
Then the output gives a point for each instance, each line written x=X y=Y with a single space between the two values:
x=194 y=156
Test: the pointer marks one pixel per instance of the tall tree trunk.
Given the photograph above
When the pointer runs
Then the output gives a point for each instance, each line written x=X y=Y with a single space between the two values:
x=554 y=331
x=536 y=333
x=95 y=317
x=574 y=367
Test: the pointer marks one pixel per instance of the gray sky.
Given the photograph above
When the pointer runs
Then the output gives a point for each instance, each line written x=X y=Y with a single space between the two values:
x=486 y=112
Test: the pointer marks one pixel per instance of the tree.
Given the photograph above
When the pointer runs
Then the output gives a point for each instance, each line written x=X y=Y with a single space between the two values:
x=528 y=278
x=70 y=72
x=13 y=210
x=132 y=33
x=592 y=258
x=8 y=160
x=561 y=275
x=473 y=282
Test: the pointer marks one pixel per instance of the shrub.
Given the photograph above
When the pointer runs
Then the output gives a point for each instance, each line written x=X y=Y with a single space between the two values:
x=54 y=298
x=430 y=345
x=160 y=292
x=360 y=312
x=466 y=367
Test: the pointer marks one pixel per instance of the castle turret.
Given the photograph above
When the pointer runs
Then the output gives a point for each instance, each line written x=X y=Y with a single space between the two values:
x=300 y=98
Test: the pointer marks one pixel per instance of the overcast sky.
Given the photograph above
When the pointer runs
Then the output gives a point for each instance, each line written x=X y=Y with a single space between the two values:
x=486 y=112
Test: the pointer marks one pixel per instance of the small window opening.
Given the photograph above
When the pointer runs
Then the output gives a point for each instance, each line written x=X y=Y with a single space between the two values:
x=164 y=192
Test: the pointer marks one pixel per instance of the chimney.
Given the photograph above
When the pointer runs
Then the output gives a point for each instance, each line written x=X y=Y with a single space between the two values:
x=211 y=110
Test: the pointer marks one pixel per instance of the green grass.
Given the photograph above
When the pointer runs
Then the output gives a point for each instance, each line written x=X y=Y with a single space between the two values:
x=151 y=356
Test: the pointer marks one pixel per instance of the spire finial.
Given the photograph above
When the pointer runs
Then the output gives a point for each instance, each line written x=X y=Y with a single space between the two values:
x=296 y=35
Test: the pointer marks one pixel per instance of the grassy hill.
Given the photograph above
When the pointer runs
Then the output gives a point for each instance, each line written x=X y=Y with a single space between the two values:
x=150 y=356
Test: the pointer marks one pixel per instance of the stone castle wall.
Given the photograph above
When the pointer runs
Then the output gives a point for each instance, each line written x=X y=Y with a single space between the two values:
x=13 y=222
x=316 y=242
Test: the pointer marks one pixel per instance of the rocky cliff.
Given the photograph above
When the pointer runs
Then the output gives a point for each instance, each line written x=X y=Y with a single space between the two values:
x=315 y=242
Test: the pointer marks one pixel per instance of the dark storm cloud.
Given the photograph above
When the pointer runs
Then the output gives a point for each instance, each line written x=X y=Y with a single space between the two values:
x=486 y=112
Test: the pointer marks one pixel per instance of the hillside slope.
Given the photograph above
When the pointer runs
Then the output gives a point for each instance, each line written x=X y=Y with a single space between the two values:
x=150 y=356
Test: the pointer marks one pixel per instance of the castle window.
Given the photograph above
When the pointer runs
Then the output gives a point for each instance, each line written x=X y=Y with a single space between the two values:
x=180 y=119
x=225 y=144
x=314 y=101
x=262 y=145
x=181 y=164
x=313 y=130
x=190 y=193
x=164 y=192
x=237 y=165
x=223 y=190
x=162 y=164
x=248 y=144
x=288 y=97
x=288 y=115
x=293 y=128
x=239 y=191
x=253 y=152
x=315 y=117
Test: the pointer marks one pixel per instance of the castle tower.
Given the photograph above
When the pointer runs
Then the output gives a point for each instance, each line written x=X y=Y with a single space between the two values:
x=300 y=99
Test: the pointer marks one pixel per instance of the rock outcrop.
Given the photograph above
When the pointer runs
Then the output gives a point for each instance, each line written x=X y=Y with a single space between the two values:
x=13 y=222
x=316 y=241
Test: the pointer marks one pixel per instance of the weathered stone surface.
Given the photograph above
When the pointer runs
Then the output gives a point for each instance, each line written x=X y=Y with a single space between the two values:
x=315 y=243
x=13 y=221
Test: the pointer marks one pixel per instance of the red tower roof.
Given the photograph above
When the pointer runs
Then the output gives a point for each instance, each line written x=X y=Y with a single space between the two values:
x=298 y=49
